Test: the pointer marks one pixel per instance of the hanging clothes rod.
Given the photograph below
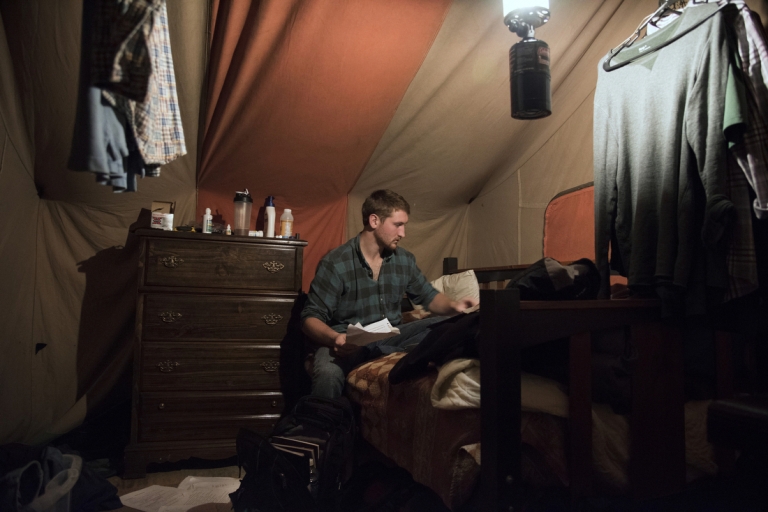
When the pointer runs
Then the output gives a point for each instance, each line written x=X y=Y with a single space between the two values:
x=651 y=18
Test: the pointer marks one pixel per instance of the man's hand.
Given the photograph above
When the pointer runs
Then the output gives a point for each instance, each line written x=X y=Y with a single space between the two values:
x=442 y=305
x=459 y=306
x=327 y=337
x=341 y=348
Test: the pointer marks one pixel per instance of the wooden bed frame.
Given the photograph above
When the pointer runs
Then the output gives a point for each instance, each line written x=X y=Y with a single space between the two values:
x=657 y=452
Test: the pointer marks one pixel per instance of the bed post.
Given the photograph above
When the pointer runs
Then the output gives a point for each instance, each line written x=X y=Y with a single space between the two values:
x=657 y=420
x=500 y=402
x=450 y=265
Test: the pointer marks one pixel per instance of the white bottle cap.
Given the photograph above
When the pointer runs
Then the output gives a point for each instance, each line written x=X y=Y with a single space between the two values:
x=287 y=210
x=207 y=211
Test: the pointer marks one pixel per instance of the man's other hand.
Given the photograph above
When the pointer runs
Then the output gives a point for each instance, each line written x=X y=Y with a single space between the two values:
x=341 y=348
x=443 y=305
x=461 y=305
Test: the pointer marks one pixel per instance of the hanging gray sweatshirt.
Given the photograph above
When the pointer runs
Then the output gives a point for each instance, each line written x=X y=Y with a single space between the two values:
x=660 y=160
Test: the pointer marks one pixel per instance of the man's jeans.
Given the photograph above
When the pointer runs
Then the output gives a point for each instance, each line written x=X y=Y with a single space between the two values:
x=329 y=372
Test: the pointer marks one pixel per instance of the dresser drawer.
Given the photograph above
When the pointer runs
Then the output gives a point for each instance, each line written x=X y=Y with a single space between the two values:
x=204 y=428
x=212 y=264
x=209 y=367
x=215 y=317
x=178 y=406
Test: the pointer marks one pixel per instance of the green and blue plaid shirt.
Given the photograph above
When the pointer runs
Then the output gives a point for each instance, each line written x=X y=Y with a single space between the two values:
x=343 y=291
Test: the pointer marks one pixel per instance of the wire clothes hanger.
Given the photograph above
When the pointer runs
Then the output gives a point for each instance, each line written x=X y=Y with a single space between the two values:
x=671 y=8
x=652 y=18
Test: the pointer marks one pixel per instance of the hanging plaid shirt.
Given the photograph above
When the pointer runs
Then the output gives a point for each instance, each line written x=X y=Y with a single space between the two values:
x=156 y=121
x=748 y=166
x=343 y=291
x=741 y=258
x=753 y=154
x=120 y=58
x=748 y=160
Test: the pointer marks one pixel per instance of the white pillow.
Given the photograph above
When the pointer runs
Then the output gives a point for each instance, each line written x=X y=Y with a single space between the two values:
x=455 y=286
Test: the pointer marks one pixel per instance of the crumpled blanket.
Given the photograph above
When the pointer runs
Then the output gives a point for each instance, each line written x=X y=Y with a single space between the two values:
x=458 y=387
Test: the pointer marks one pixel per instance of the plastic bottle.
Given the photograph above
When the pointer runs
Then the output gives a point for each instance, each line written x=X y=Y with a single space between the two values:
x=269 y=217
x=243 y=204
x=207 y=221
x=229 y=230
x=286 y=223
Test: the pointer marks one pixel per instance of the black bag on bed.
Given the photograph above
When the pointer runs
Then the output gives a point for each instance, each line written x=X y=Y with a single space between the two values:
x=548 y=279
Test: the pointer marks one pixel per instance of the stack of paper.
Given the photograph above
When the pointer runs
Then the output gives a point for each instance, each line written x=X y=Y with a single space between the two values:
x=359 y=335
x=301 y=451
x=191 y=492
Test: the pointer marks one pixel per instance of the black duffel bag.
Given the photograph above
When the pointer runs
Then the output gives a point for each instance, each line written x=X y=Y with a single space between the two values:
x=302 y=465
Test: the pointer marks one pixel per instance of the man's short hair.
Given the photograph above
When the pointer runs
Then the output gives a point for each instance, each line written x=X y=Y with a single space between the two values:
x=383 y=203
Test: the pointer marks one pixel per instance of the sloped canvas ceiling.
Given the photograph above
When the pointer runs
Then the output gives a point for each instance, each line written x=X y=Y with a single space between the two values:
x=317 y=103
x=453 y=149
x=299 y=95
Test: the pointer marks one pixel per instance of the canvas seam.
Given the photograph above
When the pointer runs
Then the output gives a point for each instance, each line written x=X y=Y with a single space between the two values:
x=519 y=218
x=2 y=153
x=397 y=107
x=9 y=140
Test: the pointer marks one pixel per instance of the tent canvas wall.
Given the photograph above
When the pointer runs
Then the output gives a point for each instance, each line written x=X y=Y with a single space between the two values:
x=317 y=103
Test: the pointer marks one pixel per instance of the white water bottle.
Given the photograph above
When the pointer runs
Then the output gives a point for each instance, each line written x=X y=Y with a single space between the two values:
x=286 y=223
x=207 y=221
x=269 y=217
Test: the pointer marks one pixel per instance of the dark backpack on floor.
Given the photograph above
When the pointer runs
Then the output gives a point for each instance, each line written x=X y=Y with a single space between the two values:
x=278 y=480
x=330 y=424
x=271 y=482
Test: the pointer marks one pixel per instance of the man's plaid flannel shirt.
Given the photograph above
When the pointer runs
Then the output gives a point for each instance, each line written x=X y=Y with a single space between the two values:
x=343 y=291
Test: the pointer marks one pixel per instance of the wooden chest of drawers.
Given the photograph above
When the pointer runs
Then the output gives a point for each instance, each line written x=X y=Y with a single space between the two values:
x=211 y=313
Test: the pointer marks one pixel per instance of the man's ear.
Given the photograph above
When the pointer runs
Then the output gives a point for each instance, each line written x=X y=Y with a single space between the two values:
x=373 y=220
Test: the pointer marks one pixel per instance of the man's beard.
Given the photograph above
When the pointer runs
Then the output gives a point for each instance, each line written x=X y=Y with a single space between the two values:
x=384 y=246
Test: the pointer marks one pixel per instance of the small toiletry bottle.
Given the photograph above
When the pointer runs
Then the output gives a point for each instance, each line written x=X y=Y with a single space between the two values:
x=229 y=229
x=269 y=217
x=207 y=221
x=286 y=223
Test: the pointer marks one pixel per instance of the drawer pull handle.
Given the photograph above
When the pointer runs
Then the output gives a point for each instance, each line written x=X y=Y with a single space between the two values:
x=272 y=318
x=169 y=316
x=270 y=366
x=161 y=406
x=172 y=261
x=167 y=366
x=274 y=403
x=273 y=266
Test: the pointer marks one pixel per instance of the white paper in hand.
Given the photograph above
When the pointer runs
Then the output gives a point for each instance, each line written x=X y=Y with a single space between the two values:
x=359 y=335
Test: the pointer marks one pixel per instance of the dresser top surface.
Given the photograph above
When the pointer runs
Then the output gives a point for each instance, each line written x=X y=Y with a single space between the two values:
x=213 y=237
